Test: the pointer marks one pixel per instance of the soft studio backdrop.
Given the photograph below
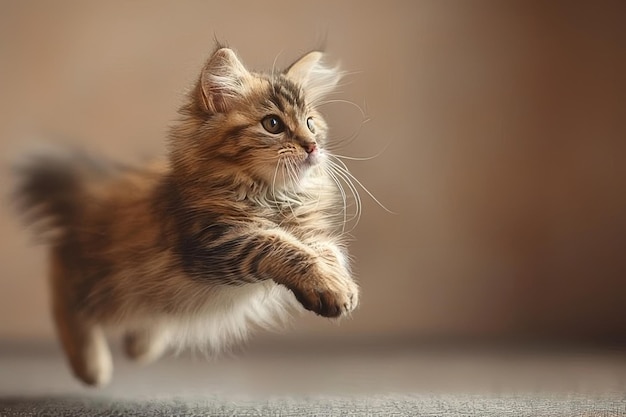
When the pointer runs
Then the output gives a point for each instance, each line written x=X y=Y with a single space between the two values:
x=503 y=122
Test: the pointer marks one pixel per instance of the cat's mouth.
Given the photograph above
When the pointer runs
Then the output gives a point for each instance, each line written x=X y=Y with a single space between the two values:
x=304 y=160
x=313 y=158
x=294 y=166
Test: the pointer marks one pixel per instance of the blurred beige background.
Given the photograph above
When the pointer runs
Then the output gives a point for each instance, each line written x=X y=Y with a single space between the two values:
x=506 y=162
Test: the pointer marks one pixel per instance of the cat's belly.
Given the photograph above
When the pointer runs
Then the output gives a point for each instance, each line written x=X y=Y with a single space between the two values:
x=228 y=315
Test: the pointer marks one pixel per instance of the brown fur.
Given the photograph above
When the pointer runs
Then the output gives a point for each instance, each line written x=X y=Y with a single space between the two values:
x=209 y=239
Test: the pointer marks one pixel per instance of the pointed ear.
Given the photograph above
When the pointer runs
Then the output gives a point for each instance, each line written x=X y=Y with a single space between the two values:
x=316 y=79
x=221 y=80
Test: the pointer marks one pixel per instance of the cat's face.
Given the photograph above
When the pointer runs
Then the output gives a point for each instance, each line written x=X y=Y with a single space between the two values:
x=273 y=132
x=264 y=126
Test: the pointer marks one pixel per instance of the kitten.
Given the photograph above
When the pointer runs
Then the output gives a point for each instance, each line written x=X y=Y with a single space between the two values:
x=218 y=239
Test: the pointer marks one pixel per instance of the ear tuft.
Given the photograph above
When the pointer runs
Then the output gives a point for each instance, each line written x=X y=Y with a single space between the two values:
x=316 y=78
x=221 y=80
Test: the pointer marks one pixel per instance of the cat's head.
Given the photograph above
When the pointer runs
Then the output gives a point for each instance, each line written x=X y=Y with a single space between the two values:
x=261 y=127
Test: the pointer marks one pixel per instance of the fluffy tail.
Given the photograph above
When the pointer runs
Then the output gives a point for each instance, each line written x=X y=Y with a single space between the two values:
x=50 y=191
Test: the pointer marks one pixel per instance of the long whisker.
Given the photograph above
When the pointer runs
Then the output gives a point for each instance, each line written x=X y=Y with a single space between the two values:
x=292 y=181
x=274 y=63
x=345 y=141
x=358 y=203
x=318 y=196
x=343 y=198
x=338 y=171
x=366 y=158
x=361 y=110
x=342 y=167
x=278 y=163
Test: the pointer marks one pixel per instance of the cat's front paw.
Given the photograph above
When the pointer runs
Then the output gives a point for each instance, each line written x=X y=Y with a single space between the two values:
x=328 y=297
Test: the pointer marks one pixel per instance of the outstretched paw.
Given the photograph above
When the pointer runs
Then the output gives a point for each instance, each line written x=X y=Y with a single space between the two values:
x=328 y=297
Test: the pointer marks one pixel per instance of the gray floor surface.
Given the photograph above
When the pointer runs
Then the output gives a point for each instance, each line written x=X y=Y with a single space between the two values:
x=392 y=381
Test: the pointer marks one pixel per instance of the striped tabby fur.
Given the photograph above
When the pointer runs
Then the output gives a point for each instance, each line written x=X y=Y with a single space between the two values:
x=218 y=239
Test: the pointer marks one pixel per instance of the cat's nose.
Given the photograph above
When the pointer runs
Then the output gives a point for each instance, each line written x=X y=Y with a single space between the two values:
x=309 y=147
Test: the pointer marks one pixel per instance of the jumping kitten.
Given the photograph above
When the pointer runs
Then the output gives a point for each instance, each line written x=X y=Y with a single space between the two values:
x=219 y=238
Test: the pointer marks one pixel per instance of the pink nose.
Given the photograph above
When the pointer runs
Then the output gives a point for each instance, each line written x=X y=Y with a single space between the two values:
x=310 y=147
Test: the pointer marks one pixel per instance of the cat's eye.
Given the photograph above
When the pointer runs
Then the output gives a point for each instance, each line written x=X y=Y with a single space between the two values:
x=310 y=124
x=273 y=124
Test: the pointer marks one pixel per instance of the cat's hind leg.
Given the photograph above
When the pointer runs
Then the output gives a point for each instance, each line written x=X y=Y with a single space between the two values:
x=83 y=341
x=147 y=344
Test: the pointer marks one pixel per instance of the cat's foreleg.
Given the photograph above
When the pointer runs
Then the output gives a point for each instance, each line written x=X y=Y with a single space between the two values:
x=320 y=281
x=332 y=254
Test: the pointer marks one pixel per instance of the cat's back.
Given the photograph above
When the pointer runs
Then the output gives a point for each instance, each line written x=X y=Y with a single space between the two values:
x=119 y=205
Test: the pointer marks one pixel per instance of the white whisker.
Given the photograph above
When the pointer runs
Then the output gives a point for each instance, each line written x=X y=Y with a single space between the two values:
x=357 y=197
x=361 y=110
x=343 y=198
x=278 y=163
x=366 y=158
x=274 y=63
x=345 y=141
x=292 y=181
x=342 y=167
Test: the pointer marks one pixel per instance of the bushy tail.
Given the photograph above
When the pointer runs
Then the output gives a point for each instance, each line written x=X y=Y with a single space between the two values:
x=50 y=191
